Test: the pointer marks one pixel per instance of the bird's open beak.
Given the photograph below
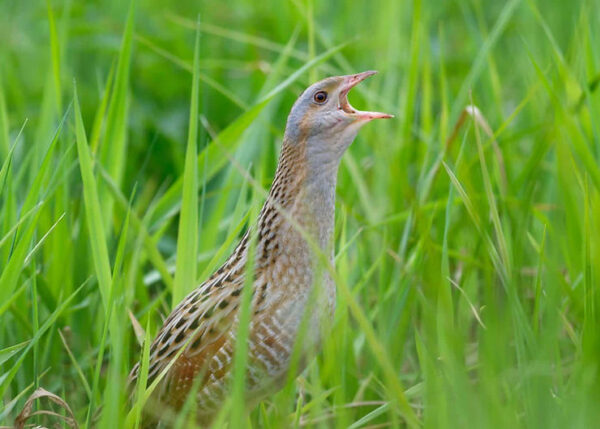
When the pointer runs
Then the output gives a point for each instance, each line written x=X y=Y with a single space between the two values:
x=350 y=82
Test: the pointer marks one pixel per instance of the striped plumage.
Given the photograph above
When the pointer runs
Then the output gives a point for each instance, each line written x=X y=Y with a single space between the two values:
x=301 y=202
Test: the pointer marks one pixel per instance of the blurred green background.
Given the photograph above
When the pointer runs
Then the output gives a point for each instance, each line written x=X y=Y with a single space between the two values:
x=466 y=240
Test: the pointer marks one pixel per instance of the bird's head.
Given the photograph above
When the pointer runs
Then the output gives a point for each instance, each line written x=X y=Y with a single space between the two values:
x=323 y=119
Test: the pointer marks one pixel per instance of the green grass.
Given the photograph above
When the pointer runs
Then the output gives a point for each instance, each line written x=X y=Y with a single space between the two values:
x=467 y=242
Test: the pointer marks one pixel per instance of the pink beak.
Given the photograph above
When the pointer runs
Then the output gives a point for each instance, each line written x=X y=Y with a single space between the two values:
x=350 y=81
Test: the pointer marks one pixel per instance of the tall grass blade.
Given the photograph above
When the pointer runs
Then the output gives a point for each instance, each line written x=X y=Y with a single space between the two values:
x=114 y=144
x=187 y=238
x=93 y=209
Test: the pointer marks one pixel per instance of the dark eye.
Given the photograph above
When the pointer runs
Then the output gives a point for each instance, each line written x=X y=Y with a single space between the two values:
x=320 y=97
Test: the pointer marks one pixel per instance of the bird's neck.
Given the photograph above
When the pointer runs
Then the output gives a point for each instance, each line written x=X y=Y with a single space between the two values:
x=304 y=188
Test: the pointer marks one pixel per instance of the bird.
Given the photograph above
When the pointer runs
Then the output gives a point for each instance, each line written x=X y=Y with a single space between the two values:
x=196 y=343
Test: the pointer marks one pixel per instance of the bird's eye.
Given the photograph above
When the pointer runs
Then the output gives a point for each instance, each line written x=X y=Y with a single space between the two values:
x=320 y=97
